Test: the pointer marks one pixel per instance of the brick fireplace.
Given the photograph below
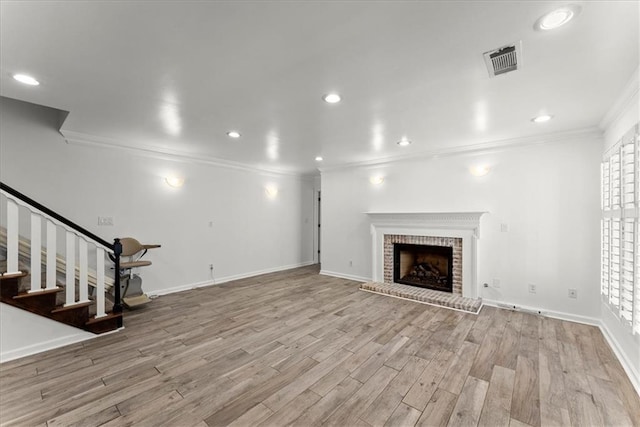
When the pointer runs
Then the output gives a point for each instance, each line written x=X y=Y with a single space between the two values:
x=457 y=230
x=393 y=268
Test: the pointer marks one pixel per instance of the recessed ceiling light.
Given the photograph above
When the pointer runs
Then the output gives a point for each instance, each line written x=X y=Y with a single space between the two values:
x=28 y=80
x=233 y=134
x=376 y=180
x=319 y=159
x=542 y=118
x=332 y=98
x=404 y=142
x=557 y=18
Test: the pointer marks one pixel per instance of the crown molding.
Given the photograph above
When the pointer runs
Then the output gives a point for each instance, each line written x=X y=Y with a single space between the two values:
x=623 y=101
x=590 y=133
x=79 y=138
x=73 y=137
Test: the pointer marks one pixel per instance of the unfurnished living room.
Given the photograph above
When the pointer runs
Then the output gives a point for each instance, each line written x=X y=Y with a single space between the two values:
x=340 y=213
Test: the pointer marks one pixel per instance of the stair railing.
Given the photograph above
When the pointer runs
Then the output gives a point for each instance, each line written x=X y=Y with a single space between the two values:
x=86 y=240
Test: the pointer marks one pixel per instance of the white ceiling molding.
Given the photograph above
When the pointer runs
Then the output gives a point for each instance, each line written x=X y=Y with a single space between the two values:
x=79 y=138
x=623 y=100
x=591 y=133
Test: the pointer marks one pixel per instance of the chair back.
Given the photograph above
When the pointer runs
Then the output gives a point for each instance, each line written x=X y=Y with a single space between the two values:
x=130 y=246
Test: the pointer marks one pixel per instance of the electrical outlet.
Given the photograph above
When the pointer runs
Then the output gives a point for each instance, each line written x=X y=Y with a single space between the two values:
x=504 y=227
x=532 y=288
x=496 y=283
x=573 y=293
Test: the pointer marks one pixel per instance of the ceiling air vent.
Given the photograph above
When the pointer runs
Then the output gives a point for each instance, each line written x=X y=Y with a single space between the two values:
x=503 y=60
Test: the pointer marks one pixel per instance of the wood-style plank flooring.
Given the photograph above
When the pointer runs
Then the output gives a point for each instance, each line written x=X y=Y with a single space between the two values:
x=297 y=348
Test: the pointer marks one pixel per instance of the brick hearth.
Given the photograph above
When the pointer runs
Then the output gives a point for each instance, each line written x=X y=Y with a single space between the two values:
x=428 y=296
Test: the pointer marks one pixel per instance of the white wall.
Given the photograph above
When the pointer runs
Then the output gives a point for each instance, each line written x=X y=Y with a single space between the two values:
x=40 y=333
x=547 y=195
x=250 y=232
x=623 y=116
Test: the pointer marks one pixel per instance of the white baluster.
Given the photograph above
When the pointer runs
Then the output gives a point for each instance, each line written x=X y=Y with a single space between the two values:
x=84 y=270
x=12 y=237
x=51 y=255
x=36 y=253
x=71 y=269
x=100 y=283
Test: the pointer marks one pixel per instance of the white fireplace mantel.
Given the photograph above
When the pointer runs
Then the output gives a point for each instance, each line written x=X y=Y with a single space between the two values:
x=465 y=225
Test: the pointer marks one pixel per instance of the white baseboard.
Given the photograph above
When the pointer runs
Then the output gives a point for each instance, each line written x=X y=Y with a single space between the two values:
x=53 y=344
x=345 y=276
x=226 y=279
x=544 y=312
x=632 y=373
x=45 y=346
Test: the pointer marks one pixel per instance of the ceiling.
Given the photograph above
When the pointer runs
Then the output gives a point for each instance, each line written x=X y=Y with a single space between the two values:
x=174 y=77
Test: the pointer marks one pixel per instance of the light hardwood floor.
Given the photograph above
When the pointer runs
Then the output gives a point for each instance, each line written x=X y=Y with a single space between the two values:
x=303 y=349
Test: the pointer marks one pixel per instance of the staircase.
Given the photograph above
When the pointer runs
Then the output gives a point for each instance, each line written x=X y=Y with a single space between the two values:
x=67 y=287
x=44 y=303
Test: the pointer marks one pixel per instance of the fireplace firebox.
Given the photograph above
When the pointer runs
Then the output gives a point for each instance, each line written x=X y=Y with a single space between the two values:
x=425 y=266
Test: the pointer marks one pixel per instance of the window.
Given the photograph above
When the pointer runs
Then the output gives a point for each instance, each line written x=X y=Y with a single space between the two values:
x=620 y=229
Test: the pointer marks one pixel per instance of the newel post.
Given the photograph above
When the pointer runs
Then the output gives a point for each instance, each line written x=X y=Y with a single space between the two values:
x=117 y=304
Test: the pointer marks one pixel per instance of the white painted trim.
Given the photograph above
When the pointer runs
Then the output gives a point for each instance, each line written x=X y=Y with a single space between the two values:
x=13 y=237
x=71 y=336
x=222 y=280
x=632 y=373
x=621 y=104
x=79 y=138
x=51 y=345
x=317 y=205
x=43 y=346
x=544 y=312
x=447 y=220
x=345 y=276
x=35 y=262
x=482 y=147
